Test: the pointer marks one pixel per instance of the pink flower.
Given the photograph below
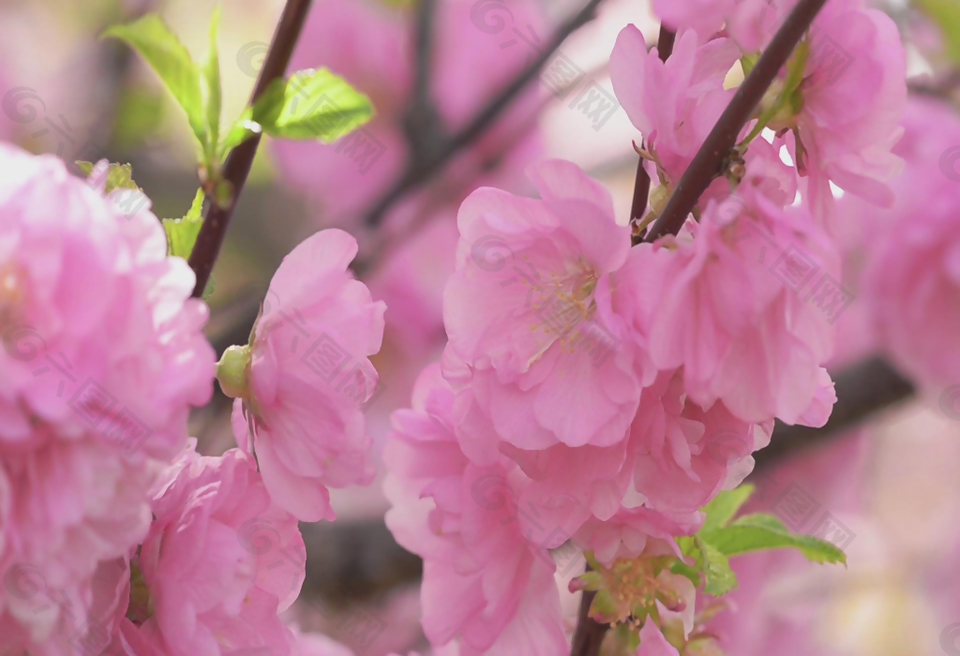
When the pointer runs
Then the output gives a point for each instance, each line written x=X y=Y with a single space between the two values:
x=528 y=313
x=652 y=642
x=912 y=277
x=483 y=582
x=635 y=531
x=213 y=581
x=735 y=302
x=675 y=103
x=853 y=98
x=316 y=644
x=103 y=357
x=686 y=455
x=305 y=376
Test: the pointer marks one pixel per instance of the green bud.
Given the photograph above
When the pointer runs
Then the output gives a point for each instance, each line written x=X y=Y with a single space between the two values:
x=232 y=371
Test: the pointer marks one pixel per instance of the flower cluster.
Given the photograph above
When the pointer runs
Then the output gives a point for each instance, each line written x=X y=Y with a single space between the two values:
x=116 y=537
x=593 y=397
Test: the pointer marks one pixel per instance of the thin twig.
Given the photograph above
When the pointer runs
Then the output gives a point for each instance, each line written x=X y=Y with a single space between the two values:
x=641 y=186
x=237 y=167
x=420 y=170
x=588 y=637
x=422 y=122
x=707 y=163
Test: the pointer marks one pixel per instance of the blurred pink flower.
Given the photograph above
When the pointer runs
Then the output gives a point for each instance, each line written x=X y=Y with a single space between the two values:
x=103 y=357
x=528 y=312
x=212 y=584
x=912 y=276
x=309 y=375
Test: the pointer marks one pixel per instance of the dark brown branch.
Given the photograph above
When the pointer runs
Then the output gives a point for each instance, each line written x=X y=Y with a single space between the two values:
x=708 y=161
x=422 y=122
x=237 y=167
x=641 y=186
x=589 y=634
x=863 y=390
x=419 y=171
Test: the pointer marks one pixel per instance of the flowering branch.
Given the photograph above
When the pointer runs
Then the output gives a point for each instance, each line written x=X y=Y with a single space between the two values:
x=706 y=165
x=238 y=163
x=419 y=169
x=641 y=187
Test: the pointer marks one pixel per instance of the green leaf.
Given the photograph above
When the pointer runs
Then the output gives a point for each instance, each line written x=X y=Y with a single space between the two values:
x=242 y=130
x=761 y=531
x=119 y=176
x=161 y=48
x=311 y=105
x=724 y=507
x=182 y=233
x=715 y=565
x=947 y=14
x=210 y=75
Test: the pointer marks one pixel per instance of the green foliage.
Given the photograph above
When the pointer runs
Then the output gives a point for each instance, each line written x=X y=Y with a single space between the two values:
x=311 y=105
x=161 y=48
x=947 y=14
x=723 y=537
x=761 y=532
x=182 y=233
x=119 y=176
x=210 y=78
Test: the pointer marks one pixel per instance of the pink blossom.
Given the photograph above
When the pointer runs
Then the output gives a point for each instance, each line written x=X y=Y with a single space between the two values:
x=210 y=564
x=306 y=375
x=912 y=277
x=102 y=358
x=652 y=642
x=483 y=581
x=853 y=98
x=732 y=301
x=685 y=455
x=674 y=104
x=633 y=531
x=528 y=312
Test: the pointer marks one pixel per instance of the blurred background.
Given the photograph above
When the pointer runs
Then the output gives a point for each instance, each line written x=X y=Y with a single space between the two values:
x=881 y=477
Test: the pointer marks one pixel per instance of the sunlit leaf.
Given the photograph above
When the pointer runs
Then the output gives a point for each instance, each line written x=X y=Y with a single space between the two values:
x=210 y=76
x=182 y=233
x=161 y=48
x=761 y=532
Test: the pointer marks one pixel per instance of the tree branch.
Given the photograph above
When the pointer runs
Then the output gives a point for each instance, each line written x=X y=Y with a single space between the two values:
x=237 y=167
x=422 y=122
x=589 y=635
x=641 y=186
x=707 y=163
x=420 y=170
